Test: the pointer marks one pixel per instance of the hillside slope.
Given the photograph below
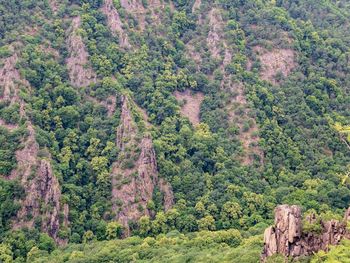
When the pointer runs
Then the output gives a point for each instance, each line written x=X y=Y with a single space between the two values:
x=127 y=117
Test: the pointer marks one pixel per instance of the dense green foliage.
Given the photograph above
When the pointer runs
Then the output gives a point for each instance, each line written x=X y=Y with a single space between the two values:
x=305 y=158
x=221 y=246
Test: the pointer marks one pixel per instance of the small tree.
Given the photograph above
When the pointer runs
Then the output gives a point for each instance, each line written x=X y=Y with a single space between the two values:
x=114 y=230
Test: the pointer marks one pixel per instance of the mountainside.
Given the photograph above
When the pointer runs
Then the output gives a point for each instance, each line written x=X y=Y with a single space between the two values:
x=177 y=126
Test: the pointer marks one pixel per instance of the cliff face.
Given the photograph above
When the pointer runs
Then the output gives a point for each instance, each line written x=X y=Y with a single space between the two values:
x=135 y=174
x=41 y=203
x=286 y=236
x=114 y=23
x=80 y=72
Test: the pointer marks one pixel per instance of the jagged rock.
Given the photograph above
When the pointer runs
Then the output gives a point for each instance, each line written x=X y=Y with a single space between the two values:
x=135 y=175
x=137 y=9
x=42 y=200
x=220 y=50
x=196 y=5
x=10 y=80
x=80 y=72
x=167 y=190
x=286 y=237
x=114 y=23
x=42 y=190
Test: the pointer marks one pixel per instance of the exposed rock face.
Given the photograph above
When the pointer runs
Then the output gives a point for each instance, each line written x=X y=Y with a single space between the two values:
x=26 y=157
x=287 y=238
x=10 y=80
x=135 y=174
x=166 y=189
x=237 y=106
x=42 y=191
x=79 y=69
x=42 y=201
x=215 y=32
x=138 y=10
x=114 y=23
x=54 y=5
x=196 y=5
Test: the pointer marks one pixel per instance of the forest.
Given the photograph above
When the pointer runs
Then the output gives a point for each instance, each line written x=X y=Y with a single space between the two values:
x=169 y=130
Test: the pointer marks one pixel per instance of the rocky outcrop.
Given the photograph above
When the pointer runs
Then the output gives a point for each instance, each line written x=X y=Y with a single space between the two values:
x=114 y=23
x=237 y=105
x=196 y=5
x=42 y=200
x=139 y=11
x=286 y=236
x=41 y=204
x=79 y=69
x=54 y=5
x=10 y=81
x=135 y=175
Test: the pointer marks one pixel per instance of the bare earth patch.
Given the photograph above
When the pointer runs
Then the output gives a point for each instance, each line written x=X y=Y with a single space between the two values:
x=79 y=69
x=274 y=62
x=191 y=104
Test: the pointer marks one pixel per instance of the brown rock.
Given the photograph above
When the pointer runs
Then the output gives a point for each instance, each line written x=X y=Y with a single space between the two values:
x=286 y=236
x=79 y=69
x=114 y=23
x=42 y=191
x=42 y=200
x=135 y=174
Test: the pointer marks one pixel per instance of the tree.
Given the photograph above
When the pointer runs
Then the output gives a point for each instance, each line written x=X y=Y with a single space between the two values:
x=206 y=223
x=6 y=255
x=114 y=230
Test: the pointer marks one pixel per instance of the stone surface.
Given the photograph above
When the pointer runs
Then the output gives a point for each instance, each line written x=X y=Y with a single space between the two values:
x=79 y=69
x=42 y=191
x=286 y=237
x=135 y=173
x=114 y=23
x=42 y=200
